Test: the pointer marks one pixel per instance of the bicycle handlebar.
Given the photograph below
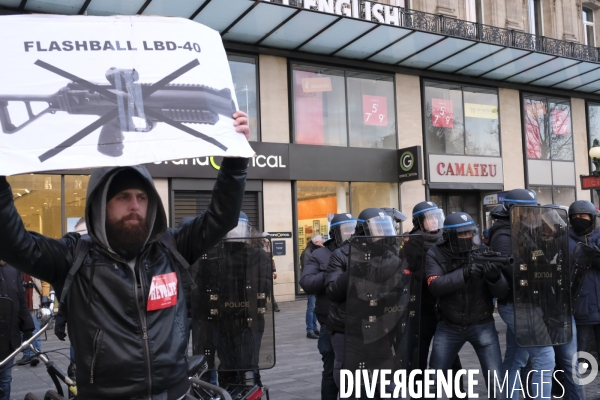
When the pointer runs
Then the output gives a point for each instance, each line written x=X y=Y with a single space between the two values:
x=26 y=343
x=205 y=385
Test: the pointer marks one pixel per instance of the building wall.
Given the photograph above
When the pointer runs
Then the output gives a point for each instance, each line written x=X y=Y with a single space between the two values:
x=162 y=187
x=277 y=200
x=580 y=145
x=410 y=133
x=512 y=139
x=274 y=111
x=562 y=19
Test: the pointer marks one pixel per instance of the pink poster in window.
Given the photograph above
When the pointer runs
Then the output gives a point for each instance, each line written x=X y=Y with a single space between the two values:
x=308 y=104
x=532 y=128
x=375 y=110
x=442 y=113
x=561 y=122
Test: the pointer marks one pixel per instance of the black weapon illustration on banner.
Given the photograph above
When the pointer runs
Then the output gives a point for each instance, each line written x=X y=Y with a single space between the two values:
x=120 y=101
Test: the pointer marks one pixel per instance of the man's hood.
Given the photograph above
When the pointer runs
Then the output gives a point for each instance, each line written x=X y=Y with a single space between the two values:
x=95 y=210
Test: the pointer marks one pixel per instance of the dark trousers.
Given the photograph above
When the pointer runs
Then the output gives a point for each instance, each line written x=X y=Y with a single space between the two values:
x=329 y=390
x=428 y=326
x=588 y=339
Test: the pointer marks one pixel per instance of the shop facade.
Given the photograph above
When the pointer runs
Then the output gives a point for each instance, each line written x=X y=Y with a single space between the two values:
x=333 y=98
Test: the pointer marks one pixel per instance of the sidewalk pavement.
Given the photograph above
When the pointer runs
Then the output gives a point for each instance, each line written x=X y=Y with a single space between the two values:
x=297 y=374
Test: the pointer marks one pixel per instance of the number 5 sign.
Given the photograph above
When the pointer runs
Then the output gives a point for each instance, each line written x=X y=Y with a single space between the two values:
x=442 y=113
x=375 y=110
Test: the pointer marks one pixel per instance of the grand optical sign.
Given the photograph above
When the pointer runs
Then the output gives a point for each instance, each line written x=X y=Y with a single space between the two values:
x=360 y=9
x=271 y=161
x=444 y=168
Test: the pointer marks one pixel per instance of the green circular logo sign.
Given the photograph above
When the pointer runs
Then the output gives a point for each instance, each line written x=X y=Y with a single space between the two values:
x=407 y=160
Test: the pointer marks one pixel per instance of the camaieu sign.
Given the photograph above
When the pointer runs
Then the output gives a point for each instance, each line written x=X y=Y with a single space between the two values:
x=447 y=168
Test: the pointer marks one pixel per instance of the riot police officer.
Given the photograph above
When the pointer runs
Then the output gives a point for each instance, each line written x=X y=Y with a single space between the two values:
x=378 y=246
x=583 y=218
x=428 y=220
x=342 y=227
x=541 y=357
x=465 y=293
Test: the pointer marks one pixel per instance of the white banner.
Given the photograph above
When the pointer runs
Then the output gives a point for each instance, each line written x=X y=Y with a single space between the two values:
x=81 y=92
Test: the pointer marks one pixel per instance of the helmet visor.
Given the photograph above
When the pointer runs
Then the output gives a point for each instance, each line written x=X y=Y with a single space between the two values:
x=462 y=240
x=381 y=226
x=347 y=229
x=431 y=220
x=242 y=230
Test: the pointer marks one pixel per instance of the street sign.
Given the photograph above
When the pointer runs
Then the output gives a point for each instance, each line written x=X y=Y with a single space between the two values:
x=590 y=182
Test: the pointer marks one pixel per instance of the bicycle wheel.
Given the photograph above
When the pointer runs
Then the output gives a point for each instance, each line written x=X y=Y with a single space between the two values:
x=52 y=395
x=31 y=396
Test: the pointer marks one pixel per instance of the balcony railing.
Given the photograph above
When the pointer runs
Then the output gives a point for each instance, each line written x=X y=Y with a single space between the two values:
x=448 y=26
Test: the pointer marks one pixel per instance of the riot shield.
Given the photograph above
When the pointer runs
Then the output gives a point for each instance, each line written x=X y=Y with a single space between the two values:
x=581 y=262
x=383 y=302
x=6 y=313
x=232 y=310
x=541 y=283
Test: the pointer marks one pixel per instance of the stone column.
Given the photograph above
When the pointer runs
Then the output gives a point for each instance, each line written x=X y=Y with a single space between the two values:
x=568 y=8
x=274 y=112
x=447 y=7
x=410 y=133
x=580 y=146
x=514 y=14
x=512 y=139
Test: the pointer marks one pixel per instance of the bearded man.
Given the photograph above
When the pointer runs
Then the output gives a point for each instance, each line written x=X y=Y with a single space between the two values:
x=126 y=311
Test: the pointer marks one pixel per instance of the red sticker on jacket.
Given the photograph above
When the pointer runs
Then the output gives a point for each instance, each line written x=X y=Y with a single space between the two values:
x=163 y=292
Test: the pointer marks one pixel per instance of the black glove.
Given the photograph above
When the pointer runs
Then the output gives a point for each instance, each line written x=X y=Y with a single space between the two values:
x=491 y=272
x=472 y=270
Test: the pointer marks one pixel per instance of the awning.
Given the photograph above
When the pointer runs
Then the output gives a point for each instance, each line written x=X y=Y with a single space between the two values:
x=405 y=38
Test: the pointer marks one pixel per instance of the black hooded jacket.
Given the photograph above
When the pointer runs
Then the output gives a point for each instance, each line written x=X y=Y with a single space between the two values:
x=13 y=308
x=500 y=240
x=122 y=350
x=313 y=278
x=427 y=299
x=461 y=303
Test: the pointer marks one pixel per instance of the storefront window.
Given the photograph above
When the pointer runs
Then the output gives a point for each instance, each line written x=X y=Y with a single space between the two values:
x=319 y=106
x=461 y=120
x=371 y=111
x=561 y=195
x=548 y=131
x=594 y=123
x=75 y=197
x=335 y=108
x=317 y=201
x=38 y=202
x=373 y=194
x=243 y=72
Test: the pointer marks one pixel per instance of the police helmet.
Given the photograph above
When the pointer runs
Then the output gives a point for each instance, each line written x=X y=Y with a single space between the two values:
x=375 y=222
x=397 y=217
x=499 y=212
x=428 y=216
x=583 y=207
x=519 y=197
x=461 y=232
x=242 y=230
x=342 y=227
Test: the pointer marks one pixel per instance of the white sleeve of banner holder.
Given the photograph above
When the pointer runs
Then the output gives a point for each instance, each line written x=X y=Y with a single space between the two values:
x=82 y=92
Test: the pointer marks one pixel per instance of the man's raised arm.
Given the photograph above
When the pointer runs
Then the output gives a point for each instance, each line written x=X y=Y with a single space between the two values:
x=39 y=256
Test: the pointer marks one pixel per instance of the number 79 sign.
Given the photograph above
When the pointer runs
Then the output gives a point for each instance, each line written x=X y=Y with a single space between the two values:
x=442 y=113
x=375 y=110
